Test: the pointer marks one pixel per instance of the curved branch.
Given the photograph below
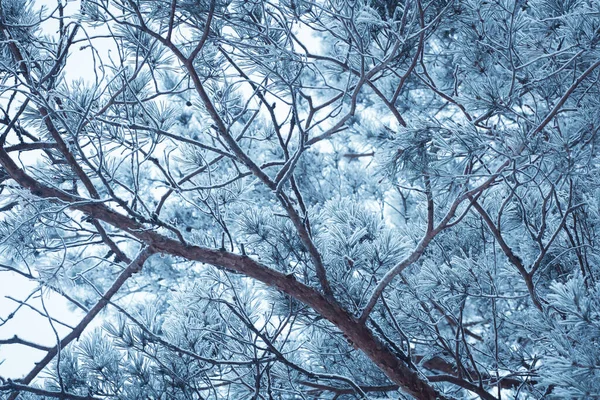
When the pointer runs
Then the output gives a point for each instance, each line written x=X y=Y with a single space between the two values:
x=17 y=340
x=358 y=333
x=429 y=235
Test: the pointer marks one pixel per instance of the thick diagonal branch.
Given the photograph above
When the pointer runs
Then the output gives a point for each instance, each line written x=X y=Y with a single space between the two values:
x=397 y=370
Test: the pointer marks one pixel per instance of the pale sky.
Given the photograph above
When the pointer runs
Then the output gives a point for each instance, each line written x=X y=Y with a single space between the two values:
x=28 y=325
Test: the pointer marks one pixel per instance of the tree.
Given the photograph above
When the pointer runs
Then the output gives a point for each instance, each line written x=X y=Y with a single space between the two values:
x=297 y=199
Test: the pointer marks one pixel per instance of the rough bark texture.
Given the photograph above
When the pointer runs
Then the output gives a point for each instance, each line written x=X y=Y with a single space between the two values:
x=356 y=332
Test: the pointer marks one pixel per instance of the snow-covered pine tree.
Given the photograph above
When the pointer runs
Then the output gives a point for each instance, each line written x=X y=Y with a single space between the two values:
x=302 y=199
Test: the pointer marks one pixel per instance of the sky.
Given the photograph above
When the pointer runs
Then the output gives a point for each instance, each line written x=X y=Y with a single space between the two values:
x=29 y=325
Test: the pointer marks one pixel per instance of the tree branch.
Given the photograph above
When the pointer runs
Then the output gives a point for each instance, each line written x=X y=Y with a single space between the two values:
x=135 y=266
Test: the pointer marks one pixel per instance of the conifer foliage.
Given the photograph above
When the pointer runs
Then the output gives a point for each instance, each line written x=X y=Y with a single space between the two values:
x=302 y=199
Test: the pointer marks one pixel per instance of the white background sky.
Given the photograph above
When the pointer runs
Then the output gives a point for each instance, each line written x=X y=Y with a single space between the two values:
x=28 y=325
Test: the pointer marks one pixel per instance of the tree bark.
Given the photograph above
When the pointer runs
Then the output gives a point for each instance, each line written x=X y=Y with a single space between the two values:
x=361 y=336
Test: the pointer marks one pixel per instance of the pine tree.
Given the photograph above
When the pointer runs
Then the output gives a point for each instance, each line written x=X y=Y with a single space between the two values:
x=302 y=199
